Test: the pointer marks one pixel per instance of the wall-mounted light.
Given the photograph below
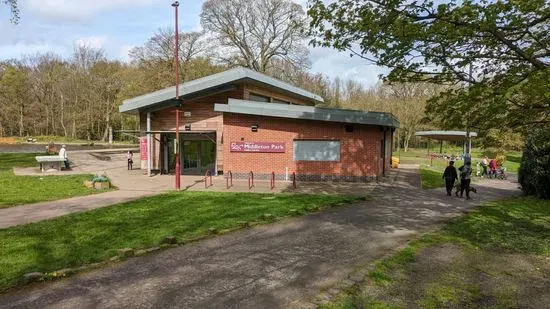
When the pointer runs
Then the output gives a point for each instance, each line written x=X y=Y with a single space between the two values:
x=187 y=127
x=254 y=128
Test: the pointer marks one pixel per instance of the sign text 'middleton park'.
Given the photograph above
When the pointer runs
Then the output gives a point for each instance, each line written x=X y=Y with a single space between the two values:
x=258 y=147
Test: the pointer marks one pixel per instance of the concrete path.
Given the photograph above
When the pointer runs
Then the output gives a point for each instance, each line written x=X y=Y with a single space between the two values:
x=271 y=266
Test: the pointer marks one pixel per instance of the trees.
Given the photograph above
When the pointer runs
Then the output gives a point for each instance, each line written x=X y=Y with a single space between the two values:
x=253 y=32
x=505 y=44
x=14 y=8
x=534 y=173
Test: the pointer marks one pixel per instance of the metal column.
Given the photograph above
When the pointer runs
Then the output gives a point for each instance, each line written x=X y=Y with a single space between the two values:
x=149 y=146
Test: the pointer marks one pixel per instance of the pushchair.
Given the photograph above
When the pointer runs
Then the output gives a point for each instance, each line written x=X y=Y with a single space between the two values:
x=501 y=173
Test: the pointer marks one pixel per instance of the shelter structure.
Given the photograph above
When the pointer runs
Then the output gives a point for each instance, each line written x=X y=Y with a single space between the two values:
x=452 y=136
x=240 y=121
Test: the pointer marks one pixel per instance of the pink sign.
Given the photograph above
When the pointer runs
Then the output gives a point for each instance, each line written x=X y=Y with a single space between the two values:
x=258 y=147
x=143 y=148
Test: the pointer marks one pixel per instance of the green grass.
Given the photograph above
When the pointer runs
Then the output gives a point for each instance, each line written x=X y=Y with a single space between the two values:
x=512 y=226
x=419 y=156
x=431 y=178
x=96 y=235
x=18 y=190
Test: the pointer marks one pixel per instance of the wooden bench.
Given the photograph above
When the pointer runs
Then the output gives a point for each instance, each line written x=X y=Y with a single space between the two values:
x=47 y=162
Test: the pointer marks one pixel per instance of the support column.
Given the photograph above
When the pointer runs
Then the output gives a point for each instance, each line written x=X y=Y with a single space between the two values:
x=149 y=146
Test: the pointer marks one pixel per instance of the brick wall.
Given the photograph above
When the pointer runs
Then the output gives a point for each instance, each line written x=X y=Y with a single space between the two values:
x=360 y=157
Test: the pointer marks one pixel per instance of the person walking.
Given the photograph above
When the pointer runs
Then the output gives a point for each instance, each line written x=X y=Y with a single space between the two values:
x=450 y=177
x=130 y=157
x=63 y=154
x=492 y=168
x=465 y=178
x=484 y=164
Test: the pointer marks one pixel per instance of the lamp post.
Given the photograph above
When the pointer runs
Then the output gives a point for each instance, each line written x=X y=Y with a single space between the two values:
x=176 y=62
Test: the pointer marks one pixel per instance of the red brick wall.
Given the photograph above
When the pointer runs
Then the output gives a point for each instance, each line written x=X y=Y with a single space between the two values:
x=360 y=149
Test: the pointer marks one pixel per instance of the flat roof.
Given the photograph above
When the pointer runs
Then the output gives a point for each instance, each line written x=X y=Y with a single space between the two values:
x=454 y=136
x=307 y=113
x=214 y=81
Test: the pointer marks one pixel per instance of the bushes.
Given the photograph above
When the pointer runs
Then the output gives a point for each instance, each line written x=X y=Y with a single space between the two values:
x=494 y=152
x=534 y=172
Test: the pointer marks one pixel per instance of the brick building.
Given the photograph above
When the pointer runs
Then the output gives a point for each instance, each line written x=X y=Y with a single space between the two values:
x=241 y=121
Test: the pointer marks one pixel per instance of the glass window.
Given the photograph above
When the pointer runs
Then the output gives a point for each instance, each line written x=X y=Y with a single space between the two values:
x=258 y=98
x=316 y=150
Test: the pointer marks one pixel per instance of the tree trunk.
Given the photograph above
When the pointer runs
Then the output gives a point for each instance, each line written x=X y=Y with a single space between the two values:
x=107 y=128
x=21 y=127
x=62 y=116
x=408 y=136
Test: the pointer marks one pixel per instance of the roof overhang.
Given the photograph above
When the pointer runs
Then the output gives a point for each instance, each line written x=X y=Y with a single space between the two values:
x=307 y=113
x=209 y=85
x=453 y=136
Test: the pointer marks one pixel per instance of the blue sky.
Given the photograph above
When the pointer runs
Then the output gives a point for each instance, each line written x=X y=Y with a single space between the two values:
x=118 y=25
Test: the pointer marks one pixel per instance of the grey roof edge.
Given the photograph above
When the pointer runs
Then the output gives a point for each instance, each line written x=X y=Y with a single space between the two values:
x=211 y=81
x=307 y=113
x=444 y=133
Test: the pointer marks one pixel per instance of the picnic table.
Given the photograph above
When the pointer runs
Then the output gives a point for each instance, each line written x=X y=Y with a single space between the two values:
x=50 y=162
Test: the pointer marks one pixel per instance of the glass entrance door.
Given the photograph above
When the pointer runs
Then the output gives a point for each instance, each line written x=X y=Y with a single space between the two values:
x=191 y=157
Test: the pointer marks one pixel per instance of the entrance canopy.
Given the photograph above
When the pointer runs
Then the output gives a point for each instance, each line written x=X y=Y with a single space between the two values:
x=453 y=136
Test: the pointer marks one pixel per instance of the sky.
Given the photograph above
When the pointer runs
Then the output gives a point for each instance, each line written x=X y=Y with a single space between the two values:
x=118 y=25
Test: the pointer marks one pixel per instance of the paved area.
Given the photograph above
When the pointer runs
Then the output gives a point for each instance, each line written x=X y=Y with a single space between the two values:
x=132 y=185
x=270 y=266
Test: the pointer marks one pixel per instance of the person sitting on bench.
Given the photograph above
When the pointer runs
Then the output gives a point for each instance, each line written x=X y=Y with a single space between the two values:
x=63 y=154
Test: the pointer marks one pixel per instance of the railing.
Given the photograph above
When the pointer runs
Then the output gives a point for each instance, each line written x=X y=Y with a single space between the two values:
x=229 y=180
x=250 y=180
x=207 y=175
x=294 y=180
x=272 y=182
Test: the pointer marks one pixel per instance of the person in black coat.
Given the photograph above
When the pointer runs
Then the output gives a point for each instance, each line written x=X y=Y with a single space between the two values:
x=450 y=177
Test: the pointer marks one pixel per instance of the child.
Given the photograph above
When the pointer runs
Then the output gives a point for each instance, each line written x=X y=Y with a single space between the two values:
x=130 y=161
x=478 y=169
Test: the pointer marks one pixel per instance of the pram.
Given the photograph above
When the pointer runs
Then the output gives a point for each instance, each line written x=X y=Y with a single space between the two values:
x=501 y=173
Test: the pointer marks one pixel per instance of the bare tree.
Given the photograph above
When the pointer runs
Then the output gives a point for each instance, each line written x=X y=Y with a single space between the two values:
x=158 y=52
x=253 y=32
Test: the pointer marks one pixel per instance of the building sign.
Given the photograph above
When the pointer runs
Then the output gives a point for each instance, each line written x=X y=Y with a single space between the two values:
x=143 y=148
x=258 y=147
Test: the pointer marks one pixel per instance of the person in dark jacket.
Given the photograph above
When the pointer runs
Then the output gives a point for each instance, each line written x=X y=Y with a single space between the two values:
x=450 y=177
x=465 y=178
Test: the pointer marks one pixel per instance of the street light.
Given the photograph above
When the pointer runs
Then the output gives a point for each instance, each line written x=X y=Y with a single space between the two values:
x=175 y=5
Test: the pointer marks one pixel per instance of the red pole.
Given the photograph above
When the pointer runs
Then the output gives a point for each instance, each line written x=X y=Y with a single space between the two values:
x=176 y=61
x=294 y=180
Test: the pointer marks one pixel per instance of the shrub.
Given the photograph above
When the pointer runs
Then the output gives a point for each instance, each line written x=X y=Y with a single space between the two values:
x=534 y=171
x=494 y=152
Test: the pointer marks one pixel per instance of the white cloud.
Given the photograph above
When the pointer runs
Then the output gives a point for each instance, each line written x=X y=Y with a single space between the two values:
x=17 y=51
x=124 y=52
x=77 y=10
x=334 y=64
x=95 y=41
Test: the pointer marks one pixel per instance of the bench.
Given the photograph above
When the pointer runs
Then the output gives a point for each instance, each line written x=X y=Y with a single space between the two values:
x=47 y=162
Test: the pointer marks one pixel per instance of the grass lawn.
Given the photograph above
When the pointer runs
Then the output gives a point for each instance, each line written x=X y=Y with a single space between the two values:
x=97 y=235
x=431 y=178
x=495 y=257
x=419 y=156
x=18 y=190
